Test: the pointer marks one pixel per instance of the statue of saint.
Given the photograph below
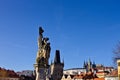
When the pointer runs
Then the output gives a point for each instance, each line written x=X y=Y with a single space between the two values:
x=43 y=53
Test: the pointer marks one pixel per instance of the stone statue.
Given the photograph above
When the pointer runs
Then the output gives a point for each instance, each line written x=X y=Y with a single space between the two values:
x=43 y=53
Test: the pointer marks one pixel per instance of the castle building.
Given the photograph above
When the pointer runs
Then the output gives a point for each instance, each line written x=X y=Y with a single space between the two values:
x=74 y=71
x=89 y=66
x=100 y=70
x=25 y=73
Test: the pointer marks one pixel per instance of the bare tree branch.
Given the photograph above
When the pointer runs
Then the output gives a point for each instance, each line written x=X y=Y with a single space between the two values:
x=116 y=53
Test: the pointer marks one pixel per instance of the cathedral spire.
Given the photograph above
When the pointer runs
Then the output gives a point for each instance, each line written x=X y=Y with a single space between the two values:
x=89 y=62
x=84 y=65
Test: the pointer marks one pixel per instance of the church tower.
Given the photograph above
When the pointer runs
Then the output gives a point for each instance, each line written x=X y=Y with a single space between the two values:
x=57 y=67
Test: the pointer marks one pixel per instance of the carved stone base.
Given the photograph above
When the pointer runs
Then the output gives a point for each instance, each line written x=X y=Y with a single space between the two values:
x=42 y=73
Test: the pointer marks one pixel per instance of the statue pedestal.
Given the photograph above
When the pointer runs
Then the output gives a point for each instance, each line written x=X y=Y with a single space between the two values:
x=41 y=72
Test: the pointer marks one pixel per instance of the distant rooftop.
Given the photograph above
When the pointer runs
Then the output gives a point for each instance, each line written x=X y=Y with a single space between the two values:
x=73 y=69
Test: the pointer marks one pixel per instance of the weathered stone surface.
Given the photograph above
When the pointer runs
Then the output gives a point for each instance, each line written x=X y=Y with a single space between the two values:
x=42 y=59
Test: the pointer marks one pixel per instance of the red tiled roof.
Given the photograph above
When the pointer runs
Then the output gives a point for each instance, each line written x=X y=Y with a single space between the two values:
x=100 y=72
x=78 y=77
x=114 y=73
x=10 y=73
x=99 y=78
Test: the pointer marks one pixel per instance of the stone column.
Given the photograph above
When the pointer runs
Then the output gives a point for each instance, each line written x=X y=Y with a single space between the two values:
x=37 y=71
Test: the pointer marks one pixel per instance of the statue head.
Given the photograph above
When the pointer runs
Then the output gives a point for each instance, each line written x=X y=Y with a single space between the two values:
x=41 y=30
x=46 y=39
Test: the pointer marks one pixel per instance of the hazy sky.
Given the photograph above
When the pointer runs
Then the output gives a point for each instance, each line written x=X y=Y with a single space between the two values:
x=80 y=29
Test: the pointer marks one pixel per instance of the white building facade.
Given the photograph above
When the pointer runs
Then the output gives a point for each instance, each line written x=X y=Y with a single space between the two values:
x=74 y=71
x=111 y=78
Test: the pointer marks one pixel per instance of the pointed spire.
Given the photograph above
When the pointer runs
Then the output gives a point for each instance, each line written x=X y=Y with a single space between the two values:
x=84 y=65
x=57 y=57
x=93 y=65
x=89 y=62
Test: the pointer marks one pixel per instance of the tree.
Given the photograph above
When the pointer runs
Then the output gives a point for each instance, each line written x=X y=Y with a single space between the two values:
x=116 y=53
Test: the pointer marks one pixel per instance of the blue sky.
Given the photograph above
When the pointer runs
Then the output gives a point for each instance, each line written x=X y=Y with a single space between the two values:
x=80 y=29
